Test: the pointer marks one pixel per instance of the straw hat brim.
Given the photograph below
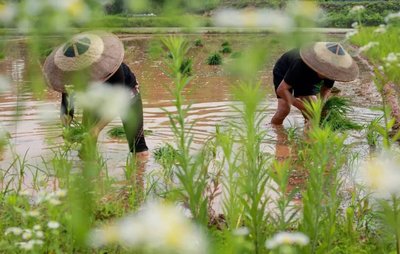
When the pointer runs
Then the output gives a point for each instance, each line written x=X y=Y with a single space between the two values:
x=105 y=65
x=332 y=66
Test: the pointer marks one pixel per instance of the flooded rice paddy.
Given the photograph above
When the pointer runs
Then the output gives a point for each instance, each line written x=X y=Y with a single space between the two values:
x=36 y=132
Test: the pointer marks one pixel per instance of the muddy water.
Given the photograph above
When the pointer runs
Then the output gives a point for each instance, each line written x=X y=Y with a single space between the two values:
x=36 y=133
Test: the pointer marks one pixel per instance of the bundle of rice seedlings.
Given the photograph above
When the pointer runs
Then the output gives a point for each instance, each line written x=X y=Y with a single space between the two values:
x=75 y=133
x=116 y=132
x=165 y=154
x=334 y=114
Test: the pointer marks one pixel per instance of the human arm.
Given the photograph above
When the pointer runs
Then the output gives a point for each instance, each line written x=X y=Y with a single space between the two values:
x=325 y=92
x=284 y=92
x=326 y=89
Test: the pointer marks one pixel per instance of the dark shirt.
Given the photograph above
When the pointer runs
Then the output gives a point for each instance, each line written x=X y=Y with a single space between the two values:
x=133 y=123
x=303 y=80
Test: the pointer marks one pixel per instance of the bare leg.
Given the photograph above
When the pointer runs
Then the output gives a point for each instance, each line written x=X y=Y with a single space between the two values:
x=282 y=112
x=282 y=149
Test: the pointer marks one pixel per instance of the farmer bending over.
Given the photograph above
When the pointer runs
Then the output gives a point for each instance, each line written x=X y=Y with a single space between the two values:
x=300 y=74
x=99 y=55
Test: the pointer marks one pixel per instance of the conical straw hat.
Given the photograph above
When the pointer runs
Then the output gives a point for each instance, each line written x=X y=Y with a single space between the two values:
x=100 y=53
x=330 y=60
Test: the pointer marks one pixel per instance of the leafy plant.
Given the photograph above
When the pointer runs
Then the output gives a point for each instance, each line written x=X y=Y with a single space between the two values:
x=214 y=59
x=198 y=43
x=226 y=50
x=186 y=67
x=225 y=44
x=334 y=114
x=117 y=132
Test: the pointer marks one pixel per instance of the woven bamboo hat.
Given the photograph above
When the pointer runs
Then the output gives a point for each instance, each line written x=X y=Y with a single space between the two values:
x=330 y=60
x=99 y=53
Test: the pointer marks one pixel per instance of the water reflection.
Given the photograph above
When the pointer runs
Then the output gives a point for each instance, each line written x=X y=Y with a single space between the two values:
x=36 y=131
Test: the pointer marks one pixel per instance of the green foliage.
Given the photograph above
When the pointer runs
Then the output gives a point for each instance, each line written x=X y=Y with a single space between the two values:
x=75 y=133
x=214 y=59
x=225 y=44
x=198 y=43
x=117 y=132
x=377 y=55
x=117 y=21
x=226 y=50
x=334 y=114
x=186 y=67
x=338 y=12
x=165 y=154
x=372 y=132
x=191 y=169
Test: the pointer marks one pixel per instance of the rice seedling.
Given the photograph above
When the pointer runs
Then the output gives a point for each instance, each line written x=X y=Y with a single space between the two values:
x=334 y=114
x=186 y=67
x=226 y=50
x=225 y=44
x=198 y=43
x=116 y=132
x=214 y=59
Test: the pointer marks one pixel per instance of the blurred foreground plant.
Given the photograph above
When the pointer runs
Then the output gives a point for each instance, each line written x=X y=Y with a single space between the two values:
x=156 y=228
x=191 y=170
x=324 y=155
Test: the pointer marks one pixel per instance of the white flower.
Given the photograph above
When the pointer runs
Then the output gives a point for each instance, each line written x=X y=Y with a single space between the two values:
x=39 y=234
x=357 y=9
x=242 y=231
x=287 y=238
x=27 y=234
x=381 y=29
x=8 y=12
x=391 y=57
x=25 y=245
x=351 y=33
x=391 y=16
x=60 y=193
x=368 y=46
x=54 y=201
x=105 y=100
x=33 y=213
x=5 y=84
x=36 y=241
x=381 y=174
x=381 y=68
x=273 y=19
x=53 y=224
x=37 y=227
x=156 y=227
x=13 y=230
x=29 y=244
